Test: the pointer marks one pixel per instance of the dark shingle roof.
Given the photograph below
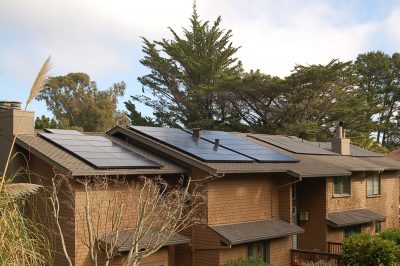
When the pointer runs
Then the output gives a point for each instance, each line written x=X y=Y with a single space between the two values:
x=72 y=165
x=233 y=234
x=353 y=217
x=125 y=239
x=354 y=150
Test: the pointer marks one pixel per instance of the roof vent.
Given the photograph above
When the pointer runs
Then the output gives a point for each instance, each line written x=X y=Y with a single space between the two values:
x=196 y=133
x=216 y=144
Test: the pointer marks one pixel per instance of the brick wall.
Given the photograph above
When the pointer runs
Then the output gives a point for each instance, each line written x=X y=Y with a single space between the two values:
x=240 y=198
x=312 y=199
x=233 y=253
x=387 y=203
x=280 y=251
x=41 y=212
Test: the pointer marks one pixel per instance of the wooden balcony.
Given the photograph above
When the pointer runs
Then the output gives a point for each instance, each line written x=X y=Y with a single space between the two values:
x=304 y=257
x=335 y=247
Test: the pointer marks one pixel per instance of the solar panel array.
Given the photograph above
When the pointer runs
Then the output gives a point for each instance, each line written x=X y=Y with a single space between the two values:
x=183 y=141
x=245 y=147
x=293 y=144
x=231 y=148
x=97 y=150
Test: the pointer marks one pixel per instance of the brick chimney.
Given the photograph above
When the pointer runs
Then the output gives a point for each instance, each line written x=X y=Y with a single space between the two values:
x=14 y=119
x=340 y=144
x=196 y=133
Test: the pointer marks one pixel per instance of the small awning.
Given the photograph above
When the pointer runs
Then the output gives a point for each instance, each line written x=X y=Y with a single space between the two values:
x=233 y=234
x=353 y=217
x=125 y=239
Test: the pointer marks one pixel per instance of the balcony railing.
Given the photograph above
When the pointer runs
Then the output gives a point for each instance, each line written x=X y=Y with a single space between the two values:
x=335 y=247
x=304 y=257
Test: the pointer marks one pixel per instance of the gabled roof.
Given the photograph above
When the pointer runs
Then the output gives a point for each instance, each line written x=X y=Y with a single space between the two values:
x=353 y=217
x=239 y=233
x=310 y=165
x=71 y=165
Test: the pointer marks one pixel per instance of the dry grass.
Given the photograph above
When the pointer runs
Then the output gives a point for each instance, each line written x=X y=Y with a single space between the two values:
x=22 y=242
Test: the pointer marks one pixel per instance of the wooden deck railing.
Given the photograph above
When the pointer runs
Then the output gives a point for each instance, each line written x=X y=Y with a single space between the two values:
x=300 y=257
x=335 y=247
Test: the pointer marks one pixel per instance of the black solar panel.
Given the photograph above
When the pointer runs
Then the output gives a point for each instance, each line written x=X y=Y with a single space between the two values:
x=245 y=147
x=293 y=144
x=99 y=151
x=198 y=148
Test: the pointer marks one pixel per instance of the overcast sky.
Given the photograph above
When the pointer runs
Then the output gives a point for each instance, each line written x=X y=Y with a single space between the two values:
x=102 y=38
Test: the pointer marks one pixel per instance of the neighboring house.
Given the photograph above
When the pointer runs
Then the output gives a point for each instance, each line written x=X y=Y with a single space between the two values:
x=265 y=194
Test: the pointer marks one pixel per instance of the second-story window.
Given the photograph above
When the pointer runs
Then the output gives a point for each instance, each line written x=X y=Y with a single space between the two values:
x=341 y=186
x=373 y=184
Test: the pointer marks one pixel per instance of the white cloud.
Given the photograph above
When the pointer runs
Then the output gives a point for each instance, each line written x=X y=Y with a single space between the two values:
x=392 y=27
x=102 y=37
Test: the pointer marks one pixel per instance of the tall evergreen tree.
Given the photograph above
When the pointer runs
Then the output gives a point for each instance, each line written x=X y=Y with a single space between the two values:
x=189 y=75
x=76 y=102
x=379 y=78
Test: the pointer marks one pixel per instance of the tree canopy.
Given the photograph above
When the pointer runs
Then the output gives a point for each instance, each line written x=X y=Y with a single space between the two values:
x=189 y=74
x=76 y=102
x=196 y=80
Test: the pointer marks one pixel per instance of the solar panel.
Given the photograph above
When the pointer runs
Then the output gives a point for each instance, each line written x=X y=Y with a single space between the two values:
x=293 y=144
x=245 y=147
x=184 y=142
x=99 y=151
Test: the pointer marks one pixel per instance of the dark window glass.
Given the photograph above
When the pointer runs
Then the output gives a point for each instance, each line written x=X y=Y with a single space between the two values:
x=378 y=227
x=259 y=249
x=341 y=185
x=350 y=230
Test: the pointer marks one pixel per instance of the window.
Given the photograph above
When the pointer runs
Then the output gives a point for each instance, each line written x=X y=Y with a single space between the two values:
x=373 y=184
x=259 y=248
x=350 y=230
x=341 y=186
x=378 y=227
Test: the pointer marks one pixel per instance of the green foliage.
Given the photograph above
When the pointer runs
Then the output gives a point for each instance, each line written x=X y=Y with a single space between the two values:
x=136 y=117
x=190 y=76
x=365 y=141
x=45 y=122
x=391 y=234
x=251 y=261
x=76 y=102
x=379 y=78
x=370 y=250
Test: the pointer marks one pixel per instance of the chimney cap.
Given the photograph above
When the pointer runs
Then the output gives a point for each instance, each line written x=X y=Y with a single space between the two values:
x=196 y=132
x=341 y=123
x=10 y=105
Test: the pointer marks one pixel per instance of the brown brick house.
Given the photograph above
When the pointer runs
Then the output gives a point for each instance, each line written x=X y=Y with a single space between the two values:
x=266 y=194
x=45 y=158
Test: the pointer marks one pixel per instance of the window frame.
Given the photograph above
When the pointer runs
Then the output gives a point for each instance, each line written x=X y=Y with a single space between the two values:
x=341 y=181
x=265 y=250
x=370 y=180
x=349 y=230
x=378 y=227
